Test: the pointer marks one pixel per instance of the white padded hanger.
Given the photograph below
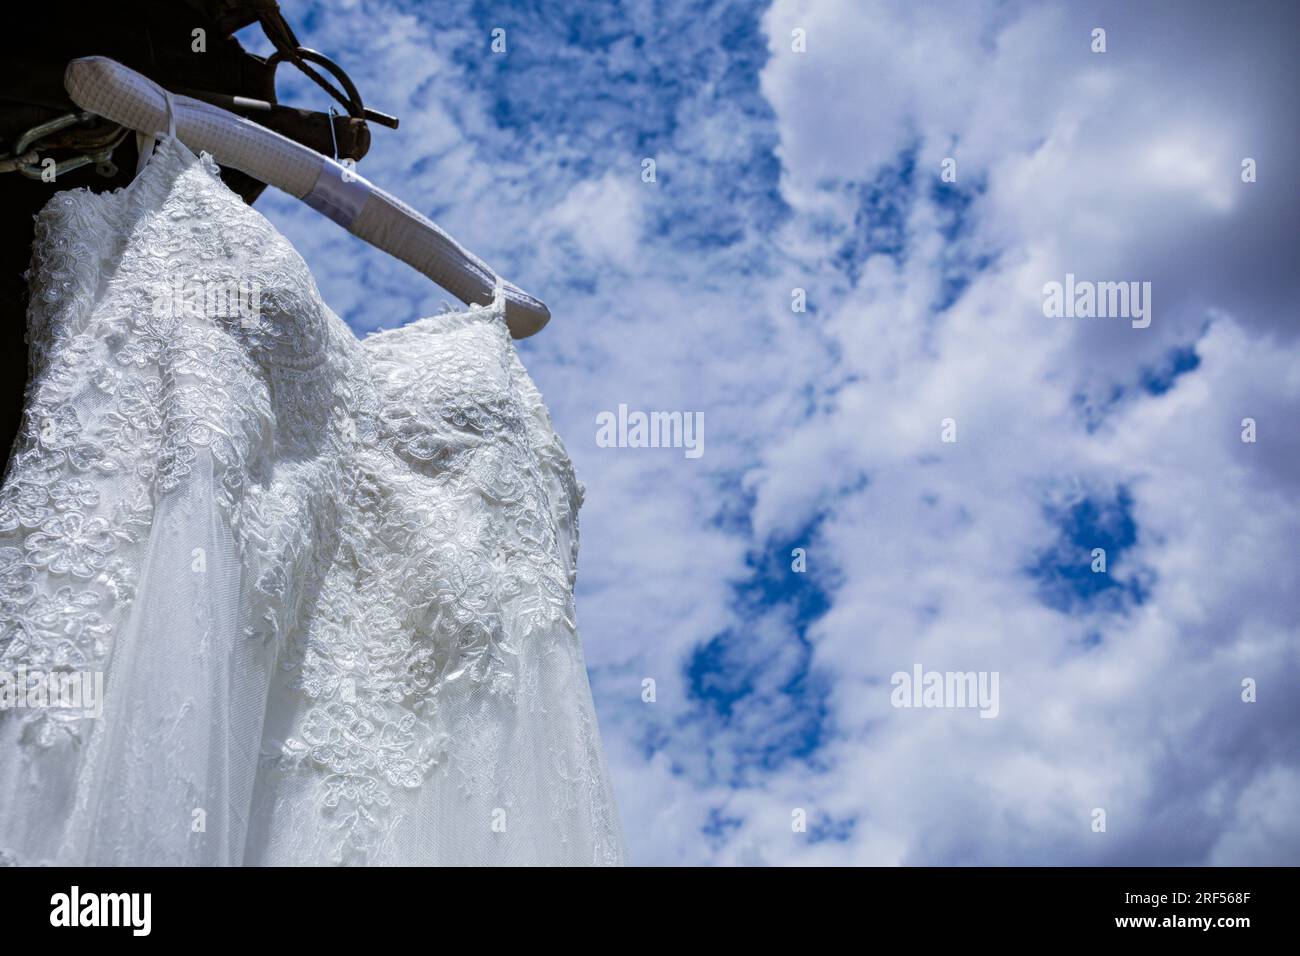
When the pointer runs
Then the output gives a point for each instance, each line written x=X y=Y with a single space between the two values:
x=118 y=93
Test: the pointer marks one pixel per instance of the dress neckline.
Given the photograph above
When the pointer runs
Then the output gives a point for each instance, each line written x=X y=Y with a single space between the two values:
x=170 y=151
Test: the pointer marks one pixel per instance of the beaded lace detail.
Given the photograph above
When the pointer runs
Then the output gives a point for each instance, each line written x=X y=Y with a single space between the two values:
x=403 y=515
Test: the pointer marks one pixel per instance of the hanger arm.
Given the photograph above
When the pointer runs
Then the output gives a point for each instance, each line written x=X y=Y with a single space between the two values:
x=116 y=92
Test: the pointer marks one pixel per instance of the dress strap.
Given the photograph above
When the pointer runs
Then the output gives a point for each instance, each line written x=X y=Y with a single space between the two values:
x=171 y=112
x=144 y=142
x=499 y=296
x=498 y=304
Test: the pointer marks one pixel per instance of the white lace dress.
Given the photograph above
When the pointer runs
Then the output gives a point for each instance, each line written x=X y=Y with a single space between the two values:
x=328 y=581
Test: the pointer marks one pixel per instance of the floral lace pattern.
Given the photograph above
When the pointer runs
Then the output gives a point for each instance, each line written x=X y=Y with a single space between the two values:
x=403 y=516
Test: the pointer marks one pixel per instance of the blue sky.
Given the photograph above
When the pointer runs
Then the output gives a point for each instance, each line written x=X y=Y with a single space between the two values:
x=819 y=171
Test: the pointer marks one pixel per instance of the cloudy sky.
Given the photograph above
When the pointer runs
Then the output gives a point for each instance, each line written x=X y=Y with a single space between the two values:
x=801 y=145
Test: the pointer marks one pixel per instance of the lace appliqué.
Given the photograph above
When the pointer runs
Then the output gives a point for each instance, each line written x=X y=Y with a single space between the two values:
x=405 y=517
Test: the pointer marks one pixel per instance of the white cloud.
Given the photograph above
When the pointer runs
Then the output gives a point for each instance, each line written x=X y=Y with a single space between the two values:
x=1108 y=174
x=603 y=216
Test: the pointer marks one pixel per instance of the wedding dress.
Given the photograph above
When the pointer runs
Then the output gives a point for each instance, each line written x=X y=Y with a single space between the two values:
x=328 y=581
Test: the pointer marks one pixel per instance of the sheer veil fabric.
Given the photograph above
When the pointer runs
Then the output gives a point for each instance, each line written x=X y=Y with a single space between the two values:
x=328 y=581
